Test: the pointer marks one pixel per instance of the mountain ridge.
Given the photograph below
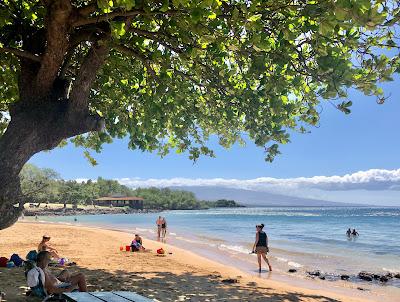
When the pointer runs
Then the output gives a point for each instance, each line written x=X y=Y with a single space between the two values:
x=257 y=198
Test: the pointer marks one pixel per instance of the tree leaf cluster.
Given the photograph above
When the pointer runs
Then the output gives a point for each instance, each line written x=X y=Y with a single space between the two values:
x=180 y=71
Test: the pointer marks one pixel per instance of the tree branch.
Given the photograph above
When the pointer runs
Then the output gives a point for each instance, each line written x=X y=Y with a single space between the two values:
x=155 y=36
x=21 y=53
x=120 y=14
x=107 y=17
x=132 y=52
x=94 y=60
x=57 y=26
x=87 y=10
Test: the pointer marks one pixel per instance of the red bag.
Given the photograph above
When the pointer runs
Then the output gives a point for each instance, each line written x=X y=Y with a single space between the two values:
x=160 y=251
x=3 y=261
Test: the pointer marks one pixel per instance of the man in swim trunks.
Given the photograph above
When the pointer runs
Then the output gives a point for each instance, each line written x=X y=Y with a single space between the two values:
x=159 y=223
x=65 y=282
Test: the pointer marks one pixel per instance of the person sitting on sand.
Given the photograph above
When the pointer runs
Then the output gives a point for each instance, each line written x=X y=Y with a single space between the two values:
x=137 y=244
x=40 y=277
x=354 y=233
x=261 y=246
x=348 y=233
x=138 y=239
x=159 y=222
x=45 y=246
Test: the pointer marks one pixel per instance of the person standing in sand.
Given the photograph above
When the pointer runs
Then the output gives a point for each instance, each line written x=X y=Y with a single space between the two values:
x=159 y=223
x=261 y=246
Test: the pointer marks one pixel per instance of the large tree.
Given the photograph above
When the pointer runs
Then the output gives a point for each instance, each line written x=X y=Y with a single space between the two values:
x=170 y=73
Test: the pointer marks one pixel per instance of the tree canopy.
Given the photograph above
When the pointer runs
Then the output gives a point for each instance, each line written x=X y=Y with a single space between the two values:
x=178 y=71
x=170 y=73
x=45 y=186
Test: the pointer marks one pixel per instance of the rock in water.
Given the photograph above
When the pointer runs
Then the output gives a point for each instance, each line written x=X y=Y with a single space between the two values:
x=384 y=279
x=397 y=276
x=345 y=277
x=315 y=273
x=292 y=270
x=389 y=275
x=365 y=276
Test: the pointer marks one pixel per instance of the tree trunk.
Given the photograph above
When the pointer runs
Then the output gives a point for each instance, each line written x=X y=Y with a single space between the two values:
x=34 y=128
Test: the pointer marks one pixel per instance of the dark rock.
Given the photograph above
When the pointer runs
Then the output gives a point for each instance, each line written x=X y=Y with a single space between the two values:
x=365 y=276
x=345 y=277
x=322 y=277
x=230 y=281
x=397 y=276
x=315 y=273
x=384 y=279
x=360 y=288
x=292 y=270
x=389 y=275
x=376 y=276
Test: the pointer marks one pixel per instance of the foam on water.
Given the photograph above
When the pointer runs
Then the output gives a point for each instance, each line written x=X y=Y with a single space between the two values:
x=234 y=248
x=295 y=264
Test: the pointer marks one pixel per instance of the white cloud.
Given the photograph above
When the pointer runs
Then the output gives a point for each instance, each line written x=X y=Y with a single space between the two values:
x=373 y=180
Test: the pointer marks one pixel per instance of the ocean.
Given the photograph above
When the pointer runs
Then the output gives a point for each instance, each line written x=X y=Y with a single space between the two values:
x=303 y=238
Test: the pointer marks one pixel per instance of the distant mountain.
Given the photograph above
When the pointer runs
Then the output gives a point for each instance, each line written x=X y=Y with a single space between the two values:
x=256 y=198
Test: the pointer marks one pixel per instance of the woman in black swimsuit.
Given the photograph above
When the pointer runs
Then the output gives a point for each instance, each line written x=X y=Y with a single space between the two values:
x=261 y=246
x=164 y=227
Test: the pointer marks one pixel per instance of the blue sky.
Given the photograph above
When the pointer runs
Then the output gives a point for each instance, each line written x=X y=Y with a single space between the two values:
x=343 y=144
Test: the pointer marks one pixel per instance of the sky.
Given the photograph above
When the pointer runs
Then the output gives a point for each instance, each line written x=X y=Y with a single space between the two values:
x=348 y=158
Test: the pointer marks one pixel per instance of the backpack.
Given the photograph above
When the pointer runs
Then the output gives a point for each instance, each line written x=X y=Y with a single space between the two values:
x=17 y=260
x=3 y=261
x=32 y=255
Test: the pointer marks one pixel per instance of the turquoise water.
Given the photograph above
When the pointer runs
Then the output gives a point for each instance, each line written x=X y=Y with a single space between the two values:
x=304 y=238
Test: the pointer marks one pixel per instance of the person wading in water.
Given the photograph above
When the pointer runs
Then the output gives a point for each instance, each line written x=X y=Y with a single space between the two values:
x=261 y=246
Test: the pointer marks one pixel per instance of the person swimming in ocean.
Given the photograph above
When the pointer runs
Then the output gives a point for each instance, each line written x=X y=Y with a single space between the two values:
x=348 y=233
x=260 y=246
x=354 y=233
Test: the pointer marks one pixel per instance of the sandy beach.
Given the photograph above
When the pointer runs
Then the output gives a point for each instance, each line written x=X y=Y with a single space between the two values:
x=178 y=276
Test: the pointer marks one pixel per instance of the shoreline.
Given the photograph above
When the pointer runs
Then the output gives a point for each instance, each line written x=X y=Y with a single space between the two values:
x=179 y=258
x=311 y=268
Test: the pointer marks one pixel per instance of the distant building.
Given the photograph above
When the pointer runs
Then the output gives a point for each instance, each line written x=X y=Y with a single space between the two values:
x=133 y=202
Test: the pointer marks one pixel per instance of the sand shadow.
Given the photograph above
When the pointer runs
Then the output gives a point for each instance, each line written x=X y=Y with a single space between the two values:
x=163 y=286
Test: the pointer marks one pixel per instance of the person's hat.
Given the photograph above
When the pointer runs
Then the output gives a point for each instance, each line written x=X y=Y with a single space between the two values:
x=46 y=237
